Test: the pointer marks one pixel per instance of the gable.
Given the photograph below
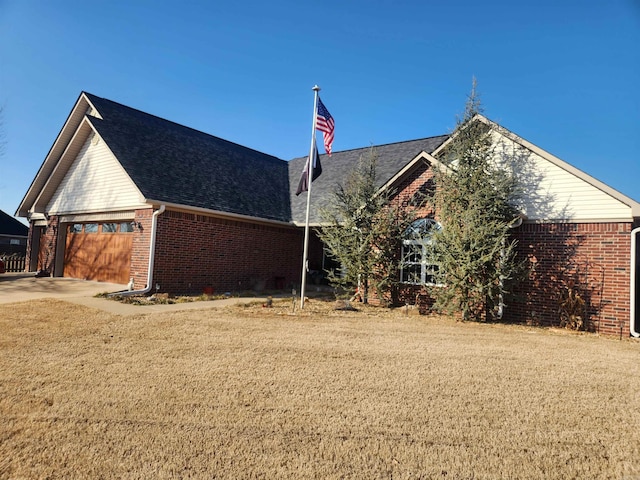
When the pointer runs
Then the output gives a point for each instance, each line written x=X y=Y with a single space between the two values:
x=554 y=190
x=391 y=161
x=69 y=131
x=167 y=163
x=140 y=159
x=177 y=165
x=95 y=182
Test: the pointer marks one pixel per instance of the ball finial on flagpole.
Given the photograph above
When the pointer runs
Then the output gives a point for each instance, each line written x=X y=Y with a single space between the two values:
x=316 y=88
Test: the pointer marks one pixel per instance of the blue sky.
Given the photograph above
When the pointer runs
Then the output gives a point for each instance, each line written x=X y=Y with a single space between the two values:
x=563 y=74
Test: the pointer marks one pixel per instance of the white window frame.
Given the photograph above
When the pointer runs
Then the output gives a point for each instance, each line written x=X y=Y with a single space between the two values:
x=417 y=241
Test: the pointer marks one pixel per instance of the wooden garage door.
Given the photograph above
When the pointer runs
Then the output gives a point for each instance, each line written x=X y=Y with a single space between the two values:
x=99 y=251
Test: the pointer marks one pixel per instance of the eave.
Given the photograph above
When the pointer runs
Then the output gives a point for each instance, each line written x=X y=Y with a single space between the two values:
x=218 y=213
x=422 y=157
x=615 y=194
x=68 y=131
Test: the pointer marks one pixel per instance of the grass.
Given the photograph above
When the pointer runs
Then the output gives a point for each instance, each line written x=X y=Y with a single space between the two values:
x=253 y=392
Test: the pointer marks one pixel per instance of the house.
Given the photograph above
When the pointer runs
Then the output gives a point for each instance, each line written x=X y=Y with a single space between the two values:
x=13 y=235
x=123 y=195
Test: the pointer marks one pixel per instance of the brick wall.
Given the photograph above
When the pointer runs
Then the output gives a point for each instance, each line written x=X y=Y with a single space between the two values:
x=48 y=246
x=197 y=251
x=591 y=258
x=419 y=182
x=140 y=248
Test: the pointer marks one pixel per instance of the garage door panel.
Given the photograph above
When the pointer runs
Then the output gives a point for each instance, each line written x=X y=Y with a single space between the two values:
x=98 y=256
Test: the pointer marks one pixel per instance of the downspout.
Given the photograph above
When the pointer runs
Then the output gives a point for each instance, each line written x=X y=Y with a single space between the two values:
x=632 y=297
x=152 y=255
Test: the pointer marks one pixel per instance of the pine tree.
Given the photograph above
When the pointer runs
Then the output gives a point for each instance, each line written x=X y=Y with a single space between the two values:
x=474 y=200
x=363 y=231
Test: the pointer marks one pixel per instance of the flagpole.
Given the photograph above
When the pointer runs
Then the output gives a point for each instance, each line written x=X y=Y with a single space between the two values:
x=310 y=159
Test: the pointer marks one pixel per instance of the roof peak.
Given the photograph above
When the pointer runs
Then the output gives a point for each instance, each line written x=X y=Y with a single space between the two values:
x=91 y=96
x=393 y=143
x=384 y=145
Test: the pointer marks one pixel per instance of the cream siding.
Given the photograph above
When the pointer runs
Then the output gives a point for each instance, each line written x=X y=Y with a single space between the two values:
x=64 y=137
x=554 y=193
x=95 y=182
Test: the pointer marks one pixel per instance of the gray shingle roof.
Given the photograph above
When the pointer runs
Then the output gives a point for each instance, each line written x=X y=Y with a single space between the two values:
x=391 y=159
x=12 y=227
x=176 y=164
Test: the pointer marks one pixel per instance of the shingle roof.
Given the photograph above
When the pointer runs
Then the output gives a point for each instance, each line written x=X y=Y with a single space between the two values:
x=391 y=158
x=172 y=163
x=12 y=227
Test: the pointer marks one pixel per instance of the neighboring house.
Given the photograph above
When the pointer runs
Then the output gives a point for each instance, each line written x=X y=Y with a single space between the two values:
x=126 y=195
x=13 y=235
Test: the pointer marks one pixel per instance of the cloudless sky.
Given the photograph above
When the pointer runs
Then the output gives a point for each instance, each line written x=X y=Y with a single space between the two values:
x=563 y=74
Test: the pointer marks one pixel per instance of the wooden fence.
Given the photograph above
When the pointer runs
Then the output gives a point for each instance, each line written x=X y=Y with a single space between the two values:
x=14 y=263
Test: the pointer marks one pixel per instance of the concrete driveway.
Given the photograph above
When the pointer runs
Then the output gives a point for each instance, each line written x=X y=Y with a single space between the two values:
x=18 y=287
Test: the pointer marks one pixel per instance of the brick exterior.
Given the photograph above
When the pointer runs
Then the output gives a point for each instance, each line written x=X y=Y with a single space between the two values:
x=47 y=245
x=418 y=182
x=592 y=258
x=197 y=251
x=140 y=248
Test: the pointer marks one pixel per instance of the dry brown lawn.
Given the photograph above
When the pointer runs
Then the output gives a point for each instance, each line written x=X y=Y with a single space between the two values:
x=263 y=393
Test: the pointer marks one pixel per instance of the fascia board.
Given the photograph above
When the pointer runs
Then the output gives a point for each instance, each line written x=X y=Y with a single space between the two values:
x=49 y=163
x=452 y=136
x=80 y=135
x=217 y=213
x=631 y=203
x=410 y=166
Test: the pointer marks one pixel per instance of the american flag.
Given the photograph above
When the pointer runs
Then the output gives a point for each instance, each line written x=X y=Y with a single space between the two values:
x=325 y=123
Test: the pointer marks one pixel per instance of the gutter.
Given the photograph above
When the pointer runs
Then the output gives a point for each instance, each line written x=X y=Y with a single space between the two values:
x=152 y=255
x=632 y=298
x=220 y=213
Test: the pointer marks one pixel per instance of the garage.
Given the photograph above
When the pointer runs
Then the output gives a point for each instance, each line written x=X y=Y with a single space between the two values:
x=98 y=251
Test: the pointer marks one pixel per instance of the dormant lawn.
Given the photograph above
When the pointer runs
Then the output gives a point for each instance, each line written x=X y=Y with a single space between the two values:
x=264 y=393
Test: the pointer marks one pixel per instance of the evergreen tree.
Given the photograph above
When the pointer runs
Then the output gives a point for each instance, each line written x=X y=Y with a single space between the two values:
x=362 y=231
x=474 y=200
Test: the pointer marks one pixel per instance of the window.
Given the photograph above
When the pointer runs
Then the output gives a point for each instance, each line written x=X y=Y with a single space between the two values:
x=75 y=228
x=416 y=268
x=109 y=227
x=126 y=227
x=90 y=228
